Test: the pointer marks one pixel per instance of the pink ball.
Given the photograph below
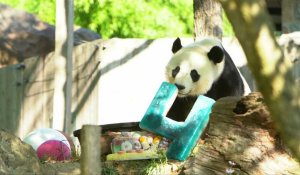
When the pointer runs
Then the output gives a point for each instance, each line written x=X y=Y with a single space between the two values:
x=50 y=144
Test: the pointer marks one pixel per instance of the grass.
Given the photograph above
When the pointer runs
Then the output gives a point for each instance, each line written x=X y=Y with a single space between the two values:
x=109 y=170
x=146 y=167
x=154 y=166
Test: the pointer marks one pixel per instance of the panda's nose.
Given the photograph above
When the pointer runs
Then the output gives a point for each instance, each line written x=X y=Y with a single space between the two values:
x=179 y=86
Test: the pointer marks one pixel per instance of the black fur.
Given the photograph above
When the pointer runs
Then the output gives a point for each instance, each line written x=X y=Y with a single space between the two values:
x=194 y=75
x=176 y=45
x=229 y=83
x=216 y=54
x=175 y=71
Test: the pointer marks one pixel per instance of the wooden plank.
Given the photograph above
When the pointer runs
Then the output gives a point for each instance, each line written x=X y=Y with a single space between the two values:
x=85 y=88
x=48 y=85
x=11 y=88
x=37 y=96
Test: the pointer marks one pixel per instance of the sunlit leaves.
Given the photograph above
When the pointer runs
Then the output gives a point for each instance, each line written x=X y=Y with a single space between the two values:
x=124 y=18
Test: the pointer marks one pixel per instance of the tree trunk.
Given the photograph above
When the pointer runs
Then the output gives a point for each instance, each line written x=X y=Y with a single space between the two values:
x=62 y=97
x=241 y=140
x=207 y=19
x=290 y=16
x=273 y=73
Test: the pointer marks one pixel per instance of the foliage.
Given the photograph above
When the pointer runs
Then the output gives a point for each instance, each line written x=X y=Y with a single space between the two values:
x=124 y=19
x=139 y=18
x=45 y=10
x=227 y=28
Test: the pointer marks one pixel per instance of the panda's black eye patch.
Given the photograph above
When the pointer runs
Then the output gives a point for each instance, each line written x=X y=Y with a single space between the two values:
x=175 y=71
x=194 y=75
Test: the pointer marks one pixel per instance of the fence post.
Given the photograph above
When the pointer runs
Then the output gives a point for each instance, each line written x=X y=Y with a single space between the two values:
x=90 y=150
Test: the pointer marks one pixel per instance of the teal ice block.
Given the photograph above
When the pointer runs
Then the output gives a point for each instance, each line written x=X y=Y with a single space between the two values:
x=183 y=135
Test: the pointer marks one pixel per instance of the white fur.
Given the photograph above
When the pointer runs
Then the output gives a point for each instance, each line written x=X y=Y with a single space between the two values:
x=194 y=56
x=247 y=89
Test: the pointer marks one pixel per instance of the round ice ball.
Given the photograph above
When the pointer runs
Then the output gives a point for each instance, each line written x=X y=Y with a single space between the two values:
x=50 y=144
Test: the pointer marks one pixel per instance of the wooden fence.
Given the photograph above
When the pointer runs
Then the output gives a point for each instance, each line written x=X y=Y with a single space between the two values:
x=26 y=91
x=117 y=89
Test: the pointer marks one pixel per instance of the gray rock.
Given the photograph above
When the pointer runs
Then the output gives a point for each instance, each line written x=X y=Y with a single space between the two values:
x=17 y=157
x=82 y=35
x=290 y=44
x=23 y=35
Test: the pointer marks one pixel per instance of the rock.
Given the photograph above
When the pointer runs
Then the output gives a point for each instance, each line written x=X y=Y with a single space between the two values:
x=82 y=35
x=17 y=157
x=290 y=43
x=23 y=35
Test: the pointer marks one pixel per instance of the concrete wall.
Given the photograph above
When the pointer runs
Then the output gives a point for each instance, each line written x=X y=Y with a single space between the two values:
x=132 y=71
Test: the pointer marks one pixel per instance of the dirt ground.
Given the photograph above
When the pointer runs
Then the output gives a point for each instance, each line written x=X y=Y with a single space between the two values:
x=114 y=167
x=61 y=168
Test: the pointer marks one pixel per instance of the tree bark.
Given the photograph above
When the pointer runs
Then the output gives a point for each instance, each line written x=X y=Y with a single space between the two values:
x=207 y=19
x=273 y=73
x=62 y=97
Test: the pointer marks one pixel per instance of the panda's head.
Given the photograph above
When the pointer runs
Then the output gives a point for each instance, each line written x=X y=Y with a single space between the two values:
x=195 y=67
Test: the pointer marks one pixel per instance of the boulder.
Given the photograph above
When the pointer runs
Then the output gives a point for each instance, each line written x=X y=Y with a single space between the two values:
x=23 y=35
x=17 y=157
x=290 y=43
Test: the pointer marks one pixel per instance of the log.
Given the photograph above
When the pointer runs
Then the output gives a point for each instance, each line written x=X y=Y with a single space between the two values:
x=241 y=139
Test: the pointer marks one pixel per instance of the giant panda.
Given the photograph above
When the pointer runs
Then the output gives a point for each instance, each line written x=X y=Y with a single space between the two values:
x=201 y=68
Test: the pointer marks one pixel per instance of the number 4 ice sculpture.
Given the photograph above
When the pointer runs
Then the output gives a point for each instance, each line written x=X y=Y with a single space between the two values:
x=183 y=135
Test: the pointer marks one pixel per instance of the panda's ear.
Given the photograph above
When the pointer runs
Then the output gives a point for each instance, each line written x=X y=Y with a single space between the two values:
x=176 y=45
x=216 y=54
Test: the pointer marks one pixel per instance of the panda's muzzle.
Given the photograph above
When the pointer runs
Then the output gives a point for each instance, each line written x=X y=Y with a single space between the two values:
x=179 y=86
